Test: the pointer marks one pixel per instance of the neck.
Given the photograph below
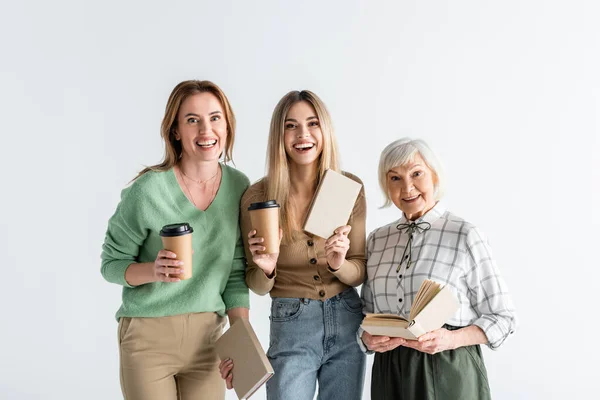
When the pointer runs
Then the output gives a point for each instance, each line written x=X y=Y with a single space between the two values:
x=419 y=214
x=198 y=170
x=302 y=179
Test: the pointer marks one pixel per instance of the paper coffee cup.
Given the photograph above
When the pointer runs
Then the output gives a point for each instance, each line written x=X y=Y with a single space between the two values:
x=178 y=239
x=264 y=217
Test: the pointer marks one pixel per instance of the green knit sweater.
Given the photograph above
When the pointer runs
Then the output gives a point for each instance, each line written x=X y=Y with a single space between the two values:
x=154 y=200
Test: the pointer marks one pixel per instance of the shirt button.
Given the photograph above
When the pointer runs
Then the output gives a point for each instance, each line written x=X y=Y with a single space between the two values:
x=316 y=277
x=313 y=260
x=400 y=300
x=400 y=276
x=310 y=243
x=322 y=293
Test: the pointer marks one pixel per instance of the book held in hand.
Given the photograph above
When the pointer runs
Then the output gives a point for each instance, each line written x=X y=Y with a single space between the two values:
x=434 y=304
x=332 y=204
x=251 y=367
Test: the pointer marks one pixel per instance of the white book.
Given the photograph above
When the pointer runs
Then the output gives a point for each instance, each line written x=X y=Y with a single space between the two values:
x=434 y=305
x=332 y=204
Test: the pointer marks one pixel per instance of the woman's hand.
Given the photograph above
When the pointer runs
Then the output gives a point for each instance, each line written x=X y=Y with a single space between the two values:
x=266 y=262
x=337 y=246
x=381 y=344
x=226 y=370
x=434 y=341
x=166 y=267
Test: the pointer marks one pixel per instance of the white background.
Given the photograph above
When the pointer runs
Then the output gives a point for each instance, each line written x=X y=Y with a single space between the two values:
x=507 y=92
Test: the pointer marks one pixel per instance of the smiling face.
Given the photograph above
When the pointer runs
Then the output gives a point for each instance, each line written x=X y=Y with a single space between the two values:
x=411 y=187
x=302 y=134
x=201 y=127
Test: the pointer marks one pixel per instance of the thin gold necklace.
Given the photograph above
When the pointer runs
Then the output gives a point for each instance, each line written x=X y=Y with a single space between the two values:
x=199 y=182
x=190 y=192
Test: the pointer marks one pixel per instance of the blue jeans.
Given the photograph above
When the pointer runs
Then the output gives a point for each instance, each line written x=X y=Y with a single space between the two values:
x=314 y=340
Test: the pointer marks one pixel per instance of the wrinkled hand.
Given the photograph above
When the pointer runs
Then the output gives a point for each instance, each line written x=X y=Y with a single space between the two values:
x=266 y=262
x=433 y=342
x=381 y=344
x=337 y=246
x=166 y=267
x=226 y=370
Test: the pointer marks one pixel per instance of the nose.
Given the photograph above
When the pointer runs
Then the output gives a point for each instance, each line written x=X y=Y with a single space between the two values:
x=407 y=186
x=203 y=125
x=302 y=131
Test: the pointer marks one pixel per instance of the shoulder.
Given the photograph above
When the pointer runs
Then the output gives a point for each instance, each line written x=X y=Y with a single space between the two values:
x=352 y=176
x=236 y=176
x=383 y=231
x=255 y=193
x=145 y=185
x=469 y=233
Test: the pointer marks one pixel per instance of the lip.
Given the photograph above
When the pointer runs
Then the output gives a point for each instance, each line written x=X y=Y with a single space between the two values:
x=206 y=143
x=304 y=143
x=411 y=199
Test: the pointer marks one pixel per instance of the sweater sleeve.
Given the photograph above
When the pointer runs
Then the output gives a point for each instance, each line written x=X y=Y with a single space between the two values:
x=352 y=270
x=488 y=293
x=124 y=236
x=236 y=292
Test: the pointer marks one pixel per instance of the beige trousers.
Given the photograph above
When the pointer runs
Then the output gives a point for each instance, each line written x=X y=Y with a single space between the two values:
x=171 y=358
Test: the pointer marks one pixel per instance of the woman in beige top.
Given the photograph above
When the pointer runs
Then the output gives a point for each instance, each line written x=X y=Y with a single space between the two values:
x=315 y=310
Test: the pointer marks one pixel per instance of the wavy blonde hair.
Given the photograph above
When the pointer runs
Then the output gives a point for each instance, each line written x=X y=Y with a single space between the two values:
x=173 y=147
x=277 y=180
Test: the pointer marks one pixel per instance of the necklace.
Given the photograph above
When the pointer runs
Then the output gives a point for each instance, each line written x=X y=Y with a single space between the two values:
x=212 y=196
x=199 y=182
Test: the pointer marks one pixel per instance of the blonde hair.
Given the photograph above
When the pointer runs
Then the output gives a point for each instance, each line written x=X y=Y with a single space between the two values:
x=277 y=180
x=401 y=152
x=173 y=147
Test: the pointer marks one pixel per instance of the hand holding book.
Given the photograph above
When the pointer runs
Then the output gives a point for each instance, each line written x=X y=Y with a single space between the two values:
x=336 y=247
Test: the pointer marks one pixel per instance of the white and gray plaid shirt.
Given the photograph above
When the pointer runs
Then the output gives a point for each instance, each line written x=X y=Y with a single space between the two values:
x=448 y=250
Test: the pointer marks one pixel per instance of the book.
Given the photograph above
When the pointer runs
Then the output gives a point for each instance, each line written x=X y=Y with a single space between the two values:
x=251 y=367
x=332 y=204
x=434 y=304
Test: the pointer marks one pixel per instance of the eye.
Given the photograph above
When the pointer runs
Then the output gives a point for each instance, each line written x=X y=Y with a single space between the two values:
x=215 y=118
x=313 y=123
x=192 y=120
x=394 y=178
x=417 y=174
x=289 y=125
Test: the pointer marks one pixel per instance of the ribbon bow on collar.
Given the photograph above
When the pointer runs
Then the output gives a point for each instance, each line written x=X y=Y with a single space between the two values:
x=410 y=228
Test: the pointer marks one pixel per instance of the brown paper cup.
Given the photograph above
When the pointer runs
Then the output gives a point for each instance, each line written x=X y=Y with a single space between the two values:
x=178 y=239
x=264 y=218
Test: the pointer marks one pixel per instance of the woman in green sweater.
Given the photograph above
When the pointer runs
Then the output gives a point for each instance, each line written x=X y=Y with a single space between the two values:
x=168 y=326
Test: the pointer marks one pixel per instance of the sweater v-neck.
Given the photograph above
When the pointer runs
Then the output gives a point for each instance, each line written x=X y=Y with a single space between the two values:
x=187 y=207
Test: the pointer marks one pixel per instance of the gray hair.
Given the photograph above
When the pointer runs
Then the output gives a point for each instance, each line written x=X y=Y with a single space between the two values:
x=403 y=151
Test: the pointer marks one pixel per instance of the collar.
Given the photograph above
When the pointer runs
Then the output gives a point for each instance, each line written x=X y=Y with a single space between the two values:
x=430 y=216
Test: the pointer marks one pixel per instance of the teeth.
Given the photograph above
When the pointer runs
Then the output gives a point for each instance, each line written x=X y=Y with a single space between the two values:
x=411 y=198
x=206 y=143
x=304 y=146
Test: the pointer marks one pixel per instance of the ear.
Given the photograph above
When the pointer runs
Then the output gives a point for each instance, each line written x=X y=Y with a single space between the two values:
x=176 y=134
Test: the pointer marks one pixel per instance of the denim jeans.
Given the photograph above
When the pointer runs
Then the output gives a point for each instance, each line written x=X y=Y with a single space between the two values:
x=315 y=341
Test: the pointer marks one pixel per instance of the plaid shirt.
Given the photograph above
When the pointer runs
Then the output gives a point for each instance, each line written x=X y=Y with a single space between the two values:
x=448 y=250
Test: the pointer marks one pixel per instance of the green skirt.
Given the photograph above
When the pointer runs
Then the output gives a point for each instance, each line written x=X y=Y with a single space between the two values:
x=408 y=374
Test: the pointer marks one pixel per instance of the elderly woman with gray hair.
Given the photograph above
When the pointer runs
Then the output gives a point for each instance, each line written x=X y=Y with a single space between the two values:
x=429 y=242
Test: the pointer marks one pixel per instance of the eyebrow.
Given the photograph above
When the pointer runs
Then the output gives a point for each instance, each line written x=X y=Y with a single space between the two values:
x=391 y=171
x=196 y=115
x=293 y=120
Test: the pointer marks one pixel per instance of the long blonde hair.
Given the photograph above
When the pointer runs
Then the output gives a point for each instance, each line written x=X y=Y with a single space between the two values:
x=277 y=181
x=173 y=147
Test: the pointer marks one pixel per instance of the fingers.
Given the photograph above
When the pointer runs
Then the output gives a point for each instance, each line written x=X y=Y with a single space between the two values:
x=339 y=237
x=226 y=370
x=166 y=254
x=169 y=271
x=251 y=233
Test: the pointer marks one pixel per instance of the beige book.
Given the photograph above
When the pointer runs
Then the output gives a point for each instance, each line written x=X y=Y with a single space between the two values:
x=251 y=367
x=332 y=204
x=434 y=305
